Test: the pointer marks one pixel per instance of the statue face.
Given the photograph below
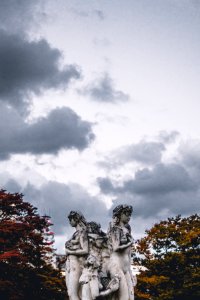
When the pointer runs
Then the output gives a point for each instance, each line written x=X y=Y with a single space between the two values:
x=125 y=217
x=73 y=222
x=89 y=228
x=91 y=259
x=99 y=243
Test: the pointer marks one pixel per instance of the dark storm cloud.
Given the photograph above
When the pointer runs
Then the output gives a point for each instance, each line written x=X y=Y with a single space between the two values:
x=159 y=207
x=189 y=157
x=30 y=67
x=61 y=129
x=27 y=68
x=106 y=185
x=161 y=188
x=58 y=199
x=163 y=178
x=145 y=152
x=103 y=90
x=190 y=154
x=19 y=15
x=166 y=187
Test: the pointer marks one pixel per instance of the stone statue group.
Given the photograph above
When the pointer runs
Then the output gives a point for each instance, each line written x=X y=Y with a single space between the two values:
x=98 y=265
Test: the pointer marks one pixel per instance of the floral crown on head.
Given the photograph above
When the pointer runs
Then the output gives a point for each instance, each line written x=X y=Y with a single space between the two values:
x=78 y=216
x=122 y=208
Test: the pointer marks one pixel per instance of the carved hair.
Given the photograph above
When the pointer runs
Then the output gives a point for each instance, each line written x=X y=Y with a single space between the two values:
x=78 y=217
x=95 y=227
x=118 y=210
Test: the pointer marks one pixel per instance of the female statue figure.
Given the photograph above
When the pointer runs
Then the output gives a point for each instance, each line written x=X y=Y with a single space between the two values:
x=90 y=279
x=94 y=266
x=120 y=241
x=76 y=251
x=97 y=242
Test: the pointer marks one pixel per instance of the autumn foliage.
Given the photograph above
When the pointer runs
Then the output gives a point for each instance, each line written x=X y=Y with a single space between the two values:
x=26 y=271
x=170 y=252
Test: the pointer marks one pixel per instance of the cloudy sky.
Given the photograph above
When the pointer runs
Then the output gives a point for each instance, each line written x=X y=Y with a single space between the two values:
x=99 y=105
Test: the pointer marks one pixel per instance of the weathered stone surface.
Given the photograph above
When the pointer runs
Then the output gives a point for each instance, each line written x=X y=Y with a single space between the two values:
x=98 y=265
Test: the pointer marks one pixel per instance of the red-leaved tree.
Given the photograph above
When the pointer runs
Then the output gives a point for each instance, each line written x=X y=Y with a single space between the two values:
x=25 y=256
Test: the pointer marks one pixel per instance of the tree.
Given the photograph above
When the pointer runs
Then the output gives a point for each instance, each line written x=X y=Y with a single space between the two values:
x=25 y=256
x=170 y=252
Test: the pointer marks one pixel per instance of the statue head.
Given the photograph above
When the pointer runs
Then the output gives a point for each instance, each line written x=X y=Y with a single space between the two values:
x=123 y=213
x=92 y=261
x=94 y=227
x=76 y=218
x=96 y=235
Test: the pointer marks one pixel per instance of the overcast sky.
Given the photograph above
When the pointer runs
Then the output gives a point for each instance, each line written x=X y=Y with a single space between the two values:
x=99 y=105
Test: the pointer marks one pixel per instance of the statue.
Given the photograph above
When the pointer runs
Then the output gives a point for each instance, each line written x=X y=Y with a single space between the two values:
x=98 y=243
x=120 y=242
x=76 y=250
x=90 y=279
x=98 y=266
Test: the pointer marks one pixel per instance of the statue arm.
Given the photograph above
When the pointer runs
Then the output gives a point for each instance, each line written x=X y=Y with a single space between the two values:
x=121 y=247
x=84 y=248
x=116 y=240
